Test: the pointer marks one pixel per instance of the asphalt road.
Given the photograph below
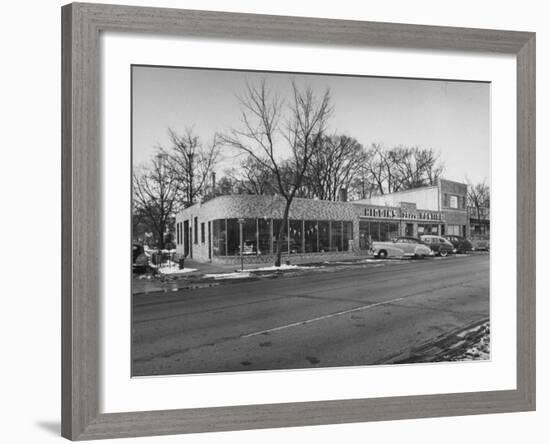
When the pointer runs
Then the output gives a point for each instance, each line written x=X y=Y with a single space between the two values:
x=358 y=315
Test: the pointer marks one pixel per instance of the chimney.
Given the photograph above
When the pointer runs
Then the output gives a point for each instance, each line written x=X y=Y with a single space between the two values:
x=343 y=195
x=213 y=177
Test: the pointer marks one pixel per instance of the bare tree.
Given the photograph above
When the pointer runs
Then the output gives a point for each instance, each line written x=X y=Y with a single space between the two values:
x=401 y=168
x=363 y=184
x=415 y=167
x=266 y=133
x=374 y=168
x=333 y=166
x=156 y=195
x=191 y=163
x=479 y=197
x=252 y=177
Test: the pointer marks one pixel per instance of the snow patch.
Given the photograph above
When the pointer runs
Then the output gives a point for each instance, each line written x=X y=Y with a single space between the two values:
x=241 y=274
x=282 y=267
x=236 y=275
x=175 y=270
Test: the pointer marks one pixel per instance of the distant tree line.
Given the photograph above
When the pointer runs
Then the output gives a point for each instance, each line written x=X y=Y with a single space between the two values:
x=285 y=148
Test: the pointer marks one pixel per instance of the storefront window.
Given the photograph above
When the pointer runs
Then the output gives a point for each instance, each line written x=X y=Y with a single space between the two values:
x=276 y=227
x=295 y=235
x=374 y=230
x=336 y=235
x=364 y=235
x=250 y=246
x=393 y=230
x=264 y=236
x=232 y=237
x=324 y=236
x=427 y=229
x=311 y=231
x=453 y=229
x=218 y=237
x=384 y=233
x=348 y=234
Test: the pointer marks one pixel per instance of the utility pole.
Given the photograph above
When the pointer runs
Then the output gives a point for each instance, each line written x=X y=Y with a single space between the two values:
x=241 y=222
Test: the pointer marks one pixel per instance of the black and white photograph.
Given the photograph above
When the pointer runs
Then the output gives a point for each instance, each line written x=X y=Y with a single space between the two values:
x=286 y=221
x=275 y=222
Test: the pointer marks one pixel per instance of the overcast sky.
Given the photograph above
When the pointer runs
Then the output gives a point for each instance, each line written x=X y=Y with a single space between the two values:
x=453 y=118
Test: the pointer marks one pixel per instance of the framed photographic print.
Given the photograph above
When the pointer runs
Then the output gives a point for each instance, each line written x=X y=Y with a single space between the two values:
x=279 y=221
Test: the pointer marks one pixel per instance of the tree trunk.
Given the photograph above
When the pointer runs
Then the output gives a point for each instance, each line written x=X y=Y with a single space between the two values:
x=160 y=234
x=284 y=226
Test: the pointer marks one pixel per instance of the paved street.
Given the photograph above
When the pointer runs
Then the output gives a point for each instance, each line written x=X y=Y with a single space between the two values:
x=358 y=315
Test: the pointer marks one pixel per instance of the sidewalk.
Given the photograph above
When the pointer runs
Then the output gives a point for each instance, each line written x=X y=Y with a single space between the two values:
x=204 y=274
x=171 y=282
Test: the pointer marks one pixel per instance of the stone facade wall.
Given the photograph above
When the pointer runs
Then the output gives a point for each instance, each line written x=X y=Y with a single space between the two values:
x=252 y=206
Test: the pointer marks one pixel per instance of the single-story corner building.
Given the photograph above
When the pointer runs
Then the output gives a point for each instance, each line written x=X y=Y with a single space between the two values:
x=217 y=230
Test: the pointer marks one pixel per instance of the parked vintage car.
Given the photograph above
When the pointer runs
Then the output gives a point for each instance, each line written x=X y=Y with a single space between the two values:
x=480 y=243
x=401 y=247
x=137 y=249
x=438 y=244
x=140 y=259
x=461 y=244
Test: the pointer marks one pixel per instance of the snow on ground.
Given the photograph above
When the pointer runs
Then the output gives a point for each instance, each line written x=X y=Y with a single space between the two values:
x=248 y=272
x=147 y=249
x=174 y=269
x=282 y=267
x=476 y=345
x=171 y=267
x=480 y=346
x=169 y=264
x=236 y=275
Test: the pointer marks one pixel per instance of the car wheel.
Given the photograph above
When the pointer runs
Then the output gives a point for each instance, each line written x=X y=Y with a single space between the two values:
x=443 y=253
x=382 y=254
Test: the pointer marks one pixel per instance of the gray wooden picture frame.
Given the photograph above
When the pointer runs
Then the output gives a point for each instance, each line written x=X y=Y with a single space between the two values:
x=81 y=172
